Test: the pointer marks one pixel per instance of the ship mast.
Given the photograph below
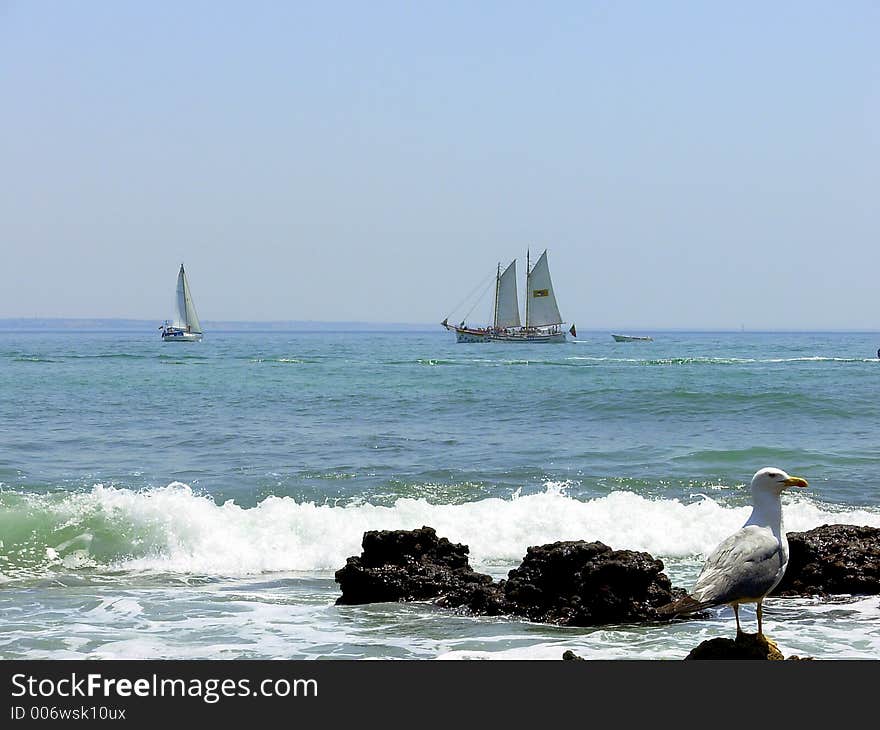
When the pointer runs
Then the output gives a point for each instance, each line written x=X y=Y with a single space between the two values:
x=528 y=273
x=497 y=290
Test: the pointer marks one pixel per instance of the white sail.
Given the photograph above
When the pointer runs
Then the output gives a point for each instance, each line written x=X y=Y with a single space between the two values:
x=507 y=311
x=186 y=311
x=542 y=309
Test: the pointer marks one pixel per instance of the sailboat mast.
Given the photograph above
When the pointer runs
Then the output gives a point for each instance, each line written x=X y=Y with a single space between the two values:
x=497 y=291
x=183 y=288
x=527 y=289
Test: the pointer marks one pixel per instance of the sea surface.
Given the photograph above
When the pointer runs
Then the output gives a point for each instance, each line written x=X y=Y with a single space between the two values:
x=168 y=500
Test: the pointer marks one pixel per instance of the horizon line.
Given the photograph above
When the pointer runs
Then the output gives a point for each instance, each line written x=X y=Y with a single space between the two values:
x=72 y=323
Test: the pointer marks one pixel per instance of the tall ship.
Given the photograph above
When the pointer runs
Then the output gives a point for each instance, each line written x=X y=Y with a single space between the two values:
x=186 y=327
x=542 y=321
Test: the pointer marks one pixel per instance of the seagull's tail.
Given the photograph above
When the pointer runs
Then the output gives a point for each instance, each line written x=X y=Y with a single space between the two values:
x=688 y=604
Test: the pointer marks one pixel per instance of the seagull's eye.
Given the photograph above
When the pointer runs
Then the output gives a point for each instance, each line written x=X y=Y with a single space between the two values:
x=773 y=475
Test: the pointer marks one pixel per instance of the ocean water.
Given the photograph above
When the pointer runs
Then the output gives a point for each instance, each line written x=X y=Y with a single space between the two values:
x=166 y=500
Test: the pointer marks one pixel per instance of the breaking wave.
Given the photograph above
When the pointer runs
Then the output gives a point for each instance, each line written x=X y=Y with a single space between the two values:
x=172 y=529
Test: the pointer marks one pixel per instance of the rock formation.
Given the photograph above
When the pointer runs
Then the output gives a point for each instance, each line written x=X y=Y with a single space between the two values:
x=573 y=583
x=587 y=584
x=832 y=559
x=409 y=565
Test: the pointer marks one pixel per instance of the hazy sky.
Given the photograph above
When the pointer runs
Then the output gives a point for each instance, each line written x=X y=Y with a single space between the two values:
x=687 y=164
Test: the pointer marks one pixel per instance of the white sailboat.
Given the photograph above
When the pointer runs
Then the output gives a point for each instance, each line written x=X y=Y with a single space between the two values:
x=186 y=327
x=543 y=322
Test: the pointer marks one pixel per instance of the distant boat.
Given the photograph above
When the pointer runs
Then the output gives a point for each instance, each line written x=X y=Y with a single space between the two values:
x=543 y=323
x=632 y=338
x=186 y=327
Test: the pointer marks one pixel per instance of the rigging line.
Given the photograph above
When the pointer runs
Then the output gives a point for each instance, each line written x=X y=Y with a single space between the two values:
x=467 y=298
x=479 y=299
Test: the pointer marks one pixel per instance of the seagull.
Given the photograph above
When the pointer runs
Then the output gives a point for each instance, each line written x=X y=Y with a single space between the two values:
x=749 y=564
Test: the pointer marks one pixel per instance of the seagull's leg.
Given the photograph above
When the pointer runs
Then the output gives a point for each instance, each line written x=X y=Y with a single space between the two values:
x=736 y=613
x=760 y=630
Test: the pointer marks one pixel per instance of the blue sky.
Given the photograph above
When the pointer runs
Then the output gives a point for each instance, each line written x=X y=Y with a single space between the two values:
x=687 y=164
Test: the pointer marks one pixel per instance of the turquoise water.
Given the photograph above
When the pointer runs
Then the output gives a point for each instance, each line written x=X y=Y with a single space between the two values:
x=193 y=500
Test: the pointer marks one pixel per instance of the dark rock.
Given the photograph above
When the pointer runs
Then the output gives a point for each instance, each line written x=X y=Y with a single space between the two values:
x=485 y=599
x=832 y=559
x=745 y=646
x=566 y=583
x=579 y=583
x=569 y=655
x=412 y=565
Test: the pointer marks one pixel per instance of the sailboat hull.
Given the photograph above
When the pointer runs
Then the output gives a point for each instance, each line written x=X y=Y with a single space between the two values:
x=463 y=334
x=181 y=336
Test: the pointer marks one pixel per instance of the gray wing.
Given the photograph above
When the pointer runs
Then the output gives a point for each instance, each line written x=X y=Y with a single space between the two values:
x=747 y=565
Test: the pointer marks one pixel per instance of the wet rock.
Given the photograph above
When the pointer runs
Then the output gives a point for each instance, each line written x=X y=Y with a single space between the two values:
x=569 y=655
x=578 y=583
x=572 y=583
x=745 y=646
x=832 y=559
x=485 y=599
x=412 y=565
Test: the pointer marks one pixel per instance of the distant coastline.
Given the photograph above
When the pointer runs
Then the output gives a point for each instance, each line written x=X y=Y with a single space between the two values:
x=85 y=324
x=140 y=325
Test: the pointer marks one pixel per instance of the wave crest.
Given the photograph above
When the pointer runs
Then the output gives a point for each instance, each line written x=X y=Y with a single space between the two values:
x=174 y=530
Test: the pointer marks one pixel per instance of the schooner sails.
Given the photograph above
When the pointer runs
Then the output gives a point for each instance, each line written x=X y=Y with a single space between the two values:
x=506 y=301
x=541 y=307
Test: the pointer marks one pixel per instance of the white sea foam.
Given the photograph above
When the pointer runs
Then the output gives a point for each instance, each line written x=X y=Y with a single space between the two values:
x=176 y=530
x=722 y=360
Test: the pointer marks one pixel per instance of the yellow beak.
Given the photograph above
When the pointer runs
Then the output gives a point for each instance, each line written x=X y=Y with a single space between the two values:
x=796 y=482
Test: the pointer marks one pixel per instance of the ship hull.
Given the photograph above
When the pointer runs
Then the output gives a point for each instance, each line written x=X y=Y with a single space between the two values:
x=463 y=334
x=181 y=336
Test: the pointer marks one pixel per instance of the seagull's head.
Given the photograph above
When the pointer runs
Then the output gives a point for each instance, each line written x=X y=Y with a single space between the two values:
x=771 y=480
